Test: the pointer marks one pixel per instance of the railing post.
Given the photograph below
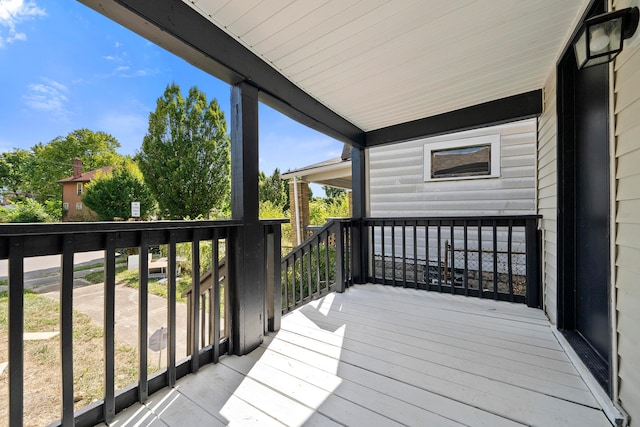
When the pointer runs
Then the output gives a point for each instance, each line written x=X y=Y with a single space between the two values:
x=143 y=317
x=533 y=263
x=274 y=285
x=66 y=328
x=339 y=258
x=359 y=251
x=109 y=327
x=16 y=330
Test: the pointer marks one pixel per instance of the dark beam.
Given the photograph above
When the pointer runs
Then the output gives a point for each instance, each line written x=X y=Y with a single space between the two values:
x=522 y=106
x=175 y=26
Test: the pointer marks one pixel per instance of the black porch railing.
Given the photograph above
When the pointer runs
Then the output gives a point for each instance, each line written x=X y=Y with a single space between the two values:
x=321 y=264
x=485 y=257
x=18 y=242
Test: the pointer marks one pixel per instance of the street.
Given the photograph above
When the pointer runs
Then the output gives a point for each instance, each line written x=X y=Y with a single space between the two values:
x=50 y=262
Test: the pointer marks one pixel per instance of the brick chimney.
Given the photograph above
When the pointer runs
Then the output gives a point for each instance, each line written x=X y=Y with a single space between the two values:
x=77 y=167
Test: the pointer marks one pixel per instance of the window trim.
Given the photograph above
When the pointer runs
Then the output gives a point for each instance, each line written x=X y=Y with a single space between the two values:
x=79 y=188
x=78 y=206
x=492 y=140
x=65 y=206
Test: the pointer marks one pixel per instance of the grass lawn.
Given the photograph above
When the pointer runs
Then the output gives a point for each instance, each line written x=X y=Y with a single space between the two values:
x=42 y=372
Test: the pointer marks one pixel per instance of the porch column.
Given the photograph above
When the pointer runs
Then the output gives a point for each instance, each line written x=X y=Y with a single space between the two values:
x=359 y=241
x=246 y=257
x=299 y=208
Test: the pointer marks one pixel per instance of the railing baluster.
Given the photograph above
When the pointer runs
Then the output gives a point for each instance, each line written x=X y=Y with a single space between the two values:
x=415 y=255
x=318 y=278
x=310 y=272
x=495 y=260
x=143 y=316
x=452 y=275
x=109 y=327
x=393 y=252
x=384 y=261
x=195 y=300
x=480 y=285
x=509 y=261
x=214 y=312
x=16 y=331
x=427 y=274
x=466 y=257
x=171 y=310
x=440 y=256
x=326 y=265
x=339 y=260
x=404 y=254
x=66 y=328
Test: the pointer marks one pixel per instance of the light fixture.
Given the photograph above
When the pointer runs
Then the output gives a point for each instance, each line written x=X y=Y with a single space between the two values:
x=600 y=40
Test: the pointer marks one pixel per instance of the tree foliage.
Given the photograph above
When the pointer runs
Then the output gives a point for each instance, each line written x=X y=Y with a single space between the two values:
x=110 y=195
x=185 y=156
x=16 y=172
x=333 y=192
x=274 y=189
x=27 y=210
x=54 y=160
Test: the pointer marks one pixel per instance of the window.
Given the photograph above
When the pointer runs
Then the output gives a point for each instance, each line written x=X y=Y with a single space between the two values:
x=79 y=206
x=79 y=187
x=65 y=206
x=466 y=158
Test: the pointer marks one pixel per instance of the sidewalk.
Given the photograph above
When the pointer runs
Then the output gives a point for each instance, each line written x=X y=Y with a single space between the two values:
x=89 y=301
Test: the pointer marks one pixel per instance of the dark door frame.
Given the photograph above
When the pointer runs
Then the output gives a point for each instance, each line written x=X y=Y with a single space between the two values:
x=566 y=286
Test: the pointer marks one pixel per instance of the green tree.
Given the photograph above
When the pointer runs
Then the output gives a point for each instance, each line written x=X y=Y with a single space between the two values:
x=274 y=189
x=54 y=160
x=110 y=195
x=333 y=192
x=27 y=210
x=185 y=157
x=16 y=172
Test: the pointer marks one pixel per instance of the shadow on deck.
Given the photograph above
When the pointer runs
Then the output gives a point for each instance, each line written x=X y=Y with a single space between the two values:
x=378 y=355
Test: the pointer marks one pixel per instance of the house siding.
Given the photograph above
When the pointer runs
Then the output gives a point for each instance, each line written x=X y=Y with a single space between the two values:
x=547 y=195
x=398 y=189
x=627 y=224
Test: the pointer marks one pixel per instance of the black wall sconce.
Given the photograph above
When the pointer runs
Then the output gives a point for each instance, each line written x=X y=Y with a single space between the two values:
x=600 y=39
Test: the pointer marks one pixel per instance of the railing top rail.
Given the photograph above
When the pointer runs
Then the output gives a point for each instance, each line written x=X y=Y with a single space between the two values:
x=332 y=222
x=7 y=230
x=449 y=218
x=515 y=220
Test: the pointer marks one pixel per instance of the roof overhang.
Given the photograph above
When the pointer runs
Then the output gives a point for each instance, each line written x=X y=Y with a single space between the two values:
x=368 y=73
x=335 y=173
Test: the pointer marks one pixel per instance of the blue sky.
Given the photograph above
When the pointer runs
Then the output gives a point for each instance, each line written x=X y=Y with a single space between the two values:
x=65 y=67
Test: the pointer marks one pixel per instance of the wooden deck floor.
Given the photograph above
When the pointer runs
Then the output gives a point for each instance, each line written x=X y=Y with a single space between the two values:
x=387 y=356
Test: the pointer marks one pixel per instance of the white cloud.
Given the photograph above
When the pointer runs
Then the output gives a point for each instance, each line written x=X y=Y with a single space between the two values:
x=12 y=13
x=48 y=96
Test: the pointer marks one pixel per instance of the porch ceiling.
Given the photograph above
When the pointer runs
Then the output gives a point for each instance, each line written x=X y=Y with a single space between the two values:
x=350 y=67
x=379 y=63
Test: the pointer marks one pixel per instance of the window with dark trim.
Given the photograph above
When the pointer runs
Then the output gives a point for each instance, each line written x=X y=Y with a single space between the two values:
x=465 y=158
x=465 y=161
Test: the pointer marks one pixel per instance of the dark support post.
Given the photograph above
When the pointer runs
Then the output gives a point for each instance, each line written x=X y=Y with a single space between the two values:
x=533 y=263
x=16 y=330
x=246 y=263
x=274 y=277
x=359 y=238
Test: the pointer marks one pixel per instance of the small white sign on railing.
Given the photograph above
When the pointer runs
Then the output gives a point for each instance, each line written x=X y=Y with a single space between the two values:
x=135 y=209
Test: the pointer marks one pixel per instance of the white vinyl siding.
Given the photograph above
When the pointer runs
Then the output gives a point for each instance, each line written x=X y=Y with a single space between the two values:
x=547 y=195
x=627 y=225
x=397 y=186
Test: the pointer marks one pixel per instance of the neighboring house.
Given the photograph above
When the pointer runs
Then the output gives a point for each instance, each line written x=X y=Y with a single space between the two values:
x=73 y=189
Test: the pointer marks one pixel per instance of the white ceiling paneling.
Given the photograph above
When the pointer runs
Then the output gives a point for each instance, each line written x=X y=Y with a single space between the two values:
x=382 y=62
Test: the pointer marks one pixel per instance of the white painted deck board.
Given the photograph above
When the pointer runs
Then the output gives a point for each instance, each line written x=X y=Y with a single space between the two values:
x=388 y=356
